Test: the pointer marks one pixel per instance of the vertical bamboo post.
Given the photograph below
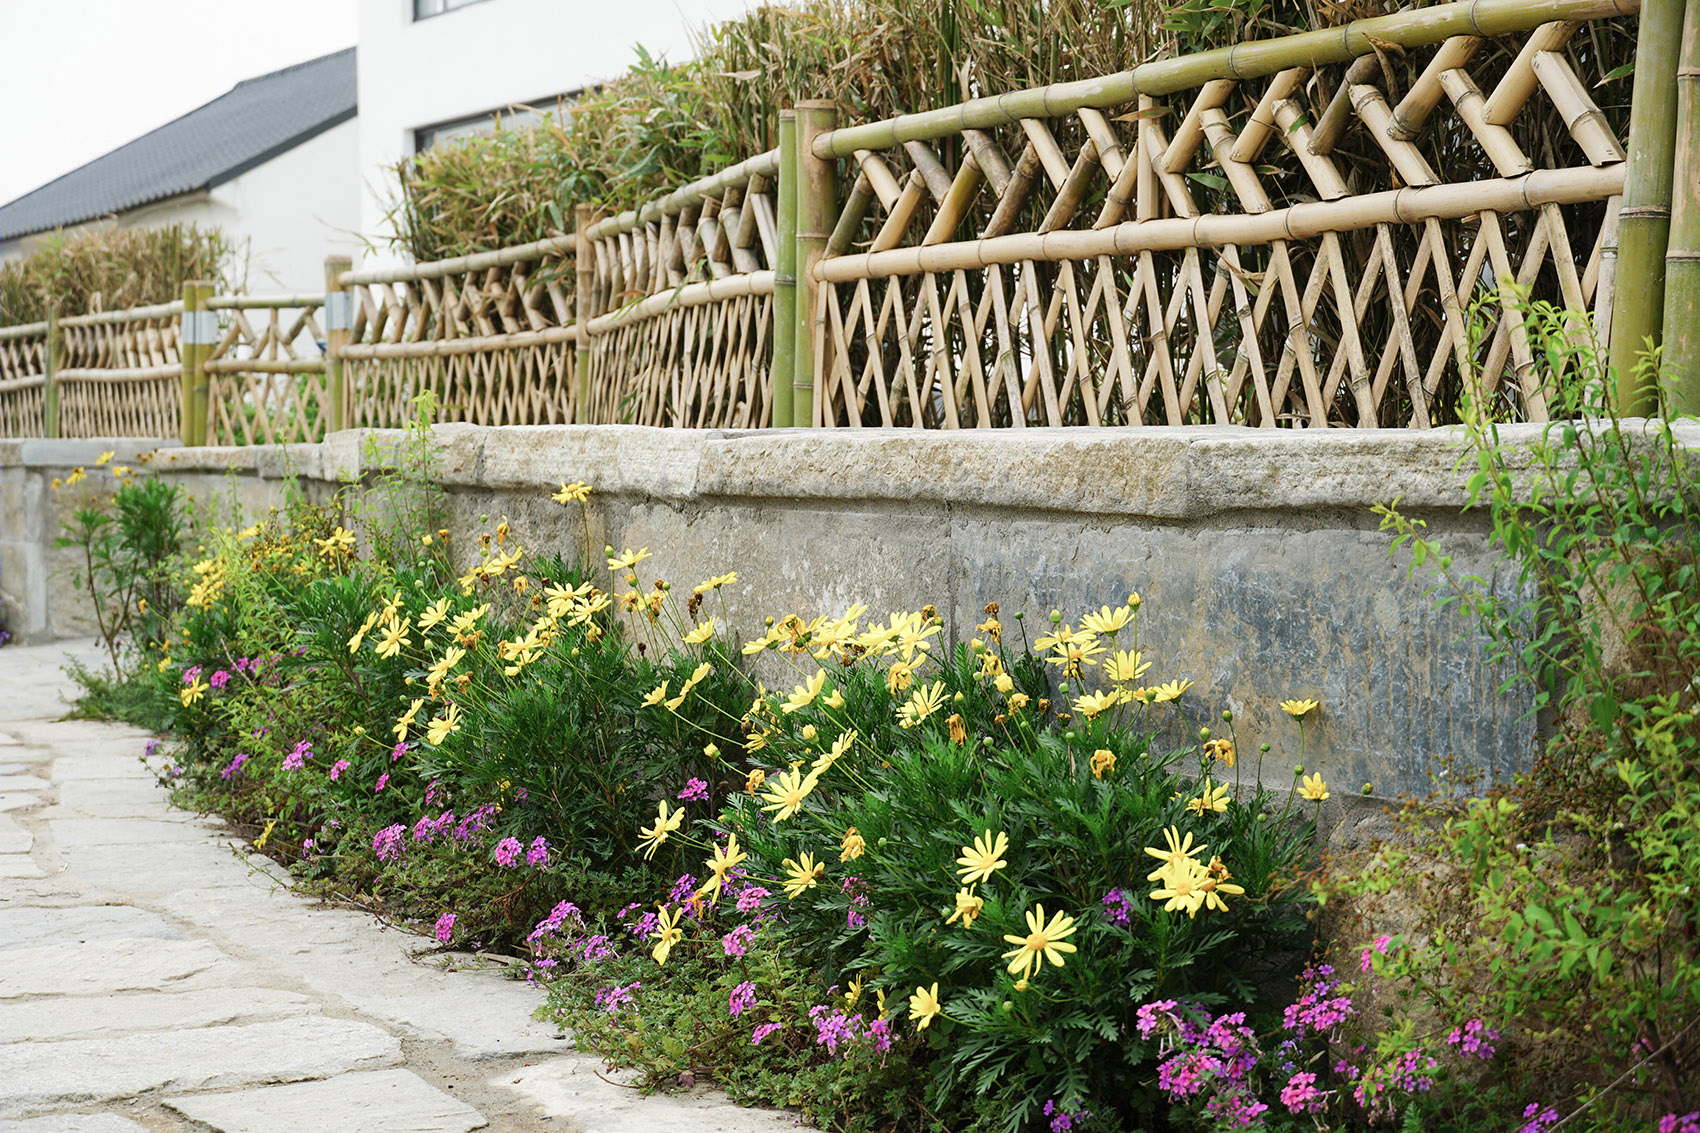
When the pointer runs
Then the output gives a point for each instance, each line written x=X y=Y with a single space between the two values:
x=785 y=278
x=1644 y=225
x=582 y=217
x=50 y=376
x=1682 y=254
x=817 y=201
x=339 y=324
x=199 y=334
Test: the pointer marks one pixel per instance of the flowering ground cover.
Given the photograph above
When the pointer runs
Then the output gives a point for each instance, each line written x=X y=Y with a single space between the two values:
x=837 y=862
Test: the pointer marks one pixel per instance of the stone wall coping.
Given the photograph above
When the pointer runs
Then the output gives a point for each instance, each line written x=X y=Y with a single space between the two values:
x=1158 y=471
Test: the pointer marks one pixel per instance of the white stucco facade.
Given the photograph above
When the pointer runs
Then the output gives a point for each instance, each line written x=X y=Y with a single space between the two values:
x=288 y=213
x=489 y=55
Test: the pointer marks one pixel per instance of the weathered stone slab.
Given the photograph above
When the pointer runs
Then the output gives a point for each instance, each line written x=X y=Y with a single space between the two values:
x=54 y=1020
x=23 y=783
x=102 y=967
x=74 y=1123
x=383 y=1101
x=110 y=761
x=152 y=870
x=20 y=866
x=19 y=801
x=116 y=798
x=41 y=927
x=69 y=833
x=14 y=839
x=575 y=1088
x=40 y=1076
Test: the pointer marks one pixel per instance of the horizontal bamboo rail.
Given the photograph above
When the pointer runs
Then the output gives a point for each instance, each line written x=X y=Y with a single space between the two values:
x=691 y=295
x=445 y=347
x=1296 y=222
x=762 y=165
x=1249 y=60
x=555 y=246
x=262 y=302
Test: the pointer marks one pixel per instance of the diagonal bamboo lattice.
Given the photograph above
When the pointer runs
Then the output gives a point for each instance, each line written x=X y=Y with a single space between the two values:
x=491 y=336
x=1206 y=258
x=117 y=374
x=267 y=373
x=23 y=380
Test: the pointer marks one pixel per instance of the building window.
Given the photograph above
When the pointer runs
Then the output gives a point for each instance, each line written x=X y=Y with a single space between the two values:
x=426 y=8
x=513 y=117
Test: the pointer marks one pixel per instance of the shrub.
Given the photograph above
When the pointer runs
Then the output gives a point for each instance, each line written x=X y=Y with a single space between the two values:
x=113 y=268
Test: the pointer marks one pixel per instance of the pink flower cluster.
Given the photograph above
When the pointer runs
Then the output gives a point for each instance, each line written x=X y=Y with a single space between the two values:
x=1475 y=1039
x=298 y=758
x=834 y=1029
x=695 y=791
x=1118 y=907
x=743 y=998
x=1537 y=1119
x=1063 y=1120
x=236 y=765
x=1378 y=948
x=762 y=1032
x=445 y=929
x=1687 y=1123
x=389 y=842
x=614 y=997
x=1318 y=1009
x=1300 y=1094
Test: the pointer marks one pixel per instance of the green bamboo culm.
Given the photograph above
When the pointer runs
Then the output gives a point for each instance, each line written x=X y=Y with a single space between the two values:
x=785 y=276
x=1682 y=255
x=1644 y=228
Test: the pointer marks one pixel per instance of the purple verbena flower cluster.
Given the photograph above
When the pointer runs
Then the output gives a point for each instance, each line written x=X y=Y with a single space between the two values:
x=445 y=929
x=389 y=842
x=1475 y=1039
x=507 y=852
x=236 y=765
x=614 y=997
x=743 y=998
x=1318 y=1009
x=298 y=758
x=1671 y=1123
x=1118 y=907
x=1063 y=1120
x=695 y=791
x=1537 y=1119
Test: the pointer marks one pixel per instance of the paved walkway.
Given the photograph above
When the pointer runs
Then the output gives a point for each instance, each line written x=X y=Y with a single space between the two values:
x=155 y=975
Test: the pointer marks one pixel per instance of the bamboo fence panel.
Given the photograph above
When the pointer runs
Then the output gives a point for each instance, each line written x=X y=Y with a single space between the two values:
x=490 y=335
x=680 y=315
x=267 y=379
x=1148 y=250
x=119 y=373
x=23 y=379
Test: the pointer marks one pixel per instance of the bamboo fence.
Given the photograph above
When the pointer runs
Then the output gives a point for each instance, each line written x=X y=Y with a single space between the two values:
x=1257 y=235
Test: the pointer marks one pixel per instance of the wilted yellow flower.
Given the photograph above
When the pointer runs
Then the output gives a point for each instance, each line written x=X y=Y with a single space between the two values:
x=1216 y=883
x=958 y=730
x=700 y=634
x=1103 y=762
x=665 y=824
x=1004 y=683
x=754 y=780
x=853 y=846
x=1211 y=799
x=668 y=932
x=1042 y=942
x=968 y=907
x=924 y=1006
x=443 y=725
x=1107 y=621
x=983 y=858
x=800 y=876
x=791 y=789
x=1221 y=749
x=575 y=492
x=1314 y=788
x=1299 y=709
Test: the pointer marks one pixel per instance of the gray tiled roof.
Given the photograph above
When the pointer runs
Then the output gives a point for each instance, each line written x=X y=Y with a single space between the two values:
x=259 y=119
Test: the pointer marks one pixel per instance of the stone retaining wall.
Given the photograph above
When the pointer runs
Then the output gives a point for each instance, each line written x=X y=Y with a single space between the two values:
x=1264 y=573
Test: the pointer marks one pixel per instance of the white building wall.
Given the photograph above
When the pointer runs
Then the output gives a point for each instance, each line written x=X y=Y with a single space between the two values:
x=489 y=55
x=287 y=214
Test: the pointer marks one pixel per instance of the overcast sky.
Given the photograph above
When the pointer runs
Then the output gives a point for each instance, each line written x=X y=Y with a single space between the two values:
x=81 y=77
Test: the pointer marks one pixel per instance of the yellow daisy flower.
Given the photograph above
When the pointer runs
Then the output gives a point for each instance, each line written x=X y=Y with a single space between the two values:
x=725 y=859
x=1299 y=709
x=1182 y=889
x=434 y=614
x=983 y=858
x=1179 y=854
x=1314 y=788
x=800 y=876
x=443 y=725
x=1042 y=942
x=968 y=907
x=407 y=719
x=1212 y=799
x=700 y=634
x=668 y=932
x=924 y=1006
x=575 y=492
x=395 y=636
x=853 y=846
x=790 y=789
x=1107 y=621
x=665 y=824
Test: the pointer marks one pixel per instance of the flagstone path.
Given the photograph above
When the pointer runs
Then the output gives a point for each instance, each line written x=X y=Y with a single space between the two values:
x=155 y=974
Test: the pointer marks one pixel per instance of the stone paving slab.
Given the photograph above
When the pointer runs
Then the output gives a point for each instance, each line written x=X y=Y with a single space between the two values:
x=105 y=967
x=20 y=866
x=590 y=1099
x=14 y=839
x=38 y=1076
x=384 y=1101
x=74 y=1123
x=32 y=927
x=23 y=783
x=116 y=798
x=48 y=1020
x=74 y=832
x=18 y=801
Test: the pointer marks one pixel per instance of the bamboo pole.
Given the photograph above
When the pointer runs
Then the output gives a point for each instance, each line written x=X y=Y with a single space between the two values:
x=1682 y=253
x=50 y=377
x=817 y=202
x=1410 y=205
x=1250 y=60
x=785 y=278
x=196 y=341
x=339 y=321
x=582 y=313
x=1644 y=225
